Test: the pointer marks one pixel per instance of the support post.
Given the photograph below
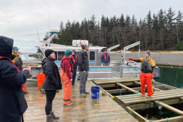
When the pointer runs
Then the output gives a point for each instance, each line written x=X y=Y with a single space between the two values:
x=169 y=107
x=136 y=115
x=127 y=88
x=121 y=71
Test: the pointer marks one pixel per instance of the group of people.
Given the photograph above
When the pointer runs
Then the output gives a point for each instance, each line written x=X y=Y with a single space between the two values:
x=12 y=77
x=54 y=80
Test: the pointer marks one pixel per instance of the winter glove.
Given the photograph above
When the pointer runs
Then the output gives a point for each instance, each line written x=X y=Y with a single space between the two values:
x=131 y=59
x=153 y=74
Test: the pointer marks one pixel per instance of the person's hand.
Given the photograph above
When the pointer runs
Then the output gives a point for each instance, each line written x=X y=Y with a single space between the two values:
x=29 y=69
x=83 y=71
x=131 y=59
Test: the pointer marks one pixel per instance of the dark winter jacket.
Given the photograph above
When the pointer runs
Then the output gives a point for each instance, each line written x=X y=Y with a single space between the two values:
x=52 y=76
x=67 y=66
x=76 y=62
x=107 y=60
x=83 y=61
x=12 y=101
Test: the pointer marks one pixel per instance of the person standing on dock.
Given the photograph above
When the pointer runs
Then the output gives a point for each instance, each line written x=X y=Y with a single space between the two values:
x=75 y=65
x=83 y=69
x=66 y=76
x=17 y=60
x=105 y=58
x=147 y=73
x=12 y=101
x=51 y=84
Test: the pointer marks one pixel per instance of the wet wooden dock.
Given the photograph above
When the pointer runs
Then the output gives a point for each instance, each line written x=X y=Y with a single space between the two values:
x=82 y=110
x=127 y=94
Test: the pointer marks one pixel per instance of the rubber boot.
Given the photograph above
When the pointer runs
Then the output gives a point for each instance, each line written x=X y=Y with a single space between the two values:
x=82 y=94
x=70 y=103
x=50 y=119
x=53 y=115
x=87 y=92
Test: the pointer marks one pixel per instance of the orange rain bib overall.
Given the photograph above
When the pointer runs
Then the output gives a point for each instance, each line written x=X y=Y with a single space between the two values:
x=146 y=78
x=67 y=87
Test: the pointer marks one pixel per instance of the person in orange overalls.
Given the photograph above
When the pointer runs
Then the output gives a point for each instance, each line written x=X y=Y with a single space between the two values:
x=66 y=76
x=147 y=73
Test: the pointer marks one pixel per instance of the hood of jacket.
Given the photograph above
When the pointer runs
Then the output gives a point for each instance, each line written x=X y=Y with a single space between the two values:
x=64 y=58
x=6 y=45
x=47 y=60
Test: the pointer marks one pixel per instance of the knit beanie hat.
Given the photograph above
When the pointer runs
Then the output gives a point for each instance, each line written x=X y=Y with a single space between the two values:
x=48 y=52
x=74 y=51
x=148 y=52
x=68 y=52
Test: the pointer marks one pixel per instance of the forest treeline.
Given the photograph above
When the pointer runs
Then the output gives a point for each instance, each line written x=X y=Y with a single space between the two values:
x=160 y=31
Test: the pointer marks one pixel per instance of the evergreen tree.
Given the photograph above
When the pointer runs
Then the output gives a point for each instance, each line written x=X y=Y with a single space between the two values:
x=161 y=31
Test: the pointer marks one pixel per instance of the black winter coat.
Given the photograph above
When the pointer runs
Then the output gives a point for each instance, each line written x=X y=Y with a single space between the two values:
x=52 y=76
x=83 y=61
x=12 y=101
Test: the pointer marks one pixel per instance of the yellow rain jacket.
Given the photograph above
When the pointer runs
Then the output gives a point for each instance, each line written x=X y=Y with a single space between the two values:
x=147 y=65
x=16 y=55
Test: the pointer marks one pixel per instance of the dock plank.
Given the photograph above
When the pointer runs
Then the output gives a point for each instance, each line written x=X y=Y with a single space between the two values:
x=82 y=110
x=135 y=98
x=120 y=80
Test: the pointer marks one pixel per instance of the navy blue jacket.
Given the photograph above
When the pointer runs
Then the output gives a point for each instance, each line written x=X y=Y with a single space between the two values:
x=12 y=101
x=103 y=60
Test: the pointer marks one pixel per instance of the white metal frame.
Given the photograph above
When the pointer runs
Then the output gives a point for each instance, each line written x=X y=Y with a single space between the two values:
x=130 y=46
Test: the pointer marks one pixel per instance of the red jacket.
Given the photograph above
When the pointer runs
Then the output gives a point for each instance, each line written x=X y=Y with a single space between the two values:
x=67 y=66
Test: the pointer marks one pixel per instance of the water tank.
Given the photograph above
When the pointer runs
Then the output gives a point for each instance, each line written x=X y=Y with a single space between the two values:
x=77 y=43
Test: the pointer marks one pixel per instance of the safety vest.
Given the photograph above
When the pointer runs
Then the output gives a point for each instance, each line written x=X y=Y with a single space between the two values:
x=3 y=57
x=106 y=57
x=146 y=66
x=74 y=59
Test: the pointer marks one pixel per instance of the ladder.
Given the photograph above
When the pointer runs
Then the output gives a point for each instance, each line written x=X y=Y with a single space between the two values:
x=113 y=47
x=130 y=46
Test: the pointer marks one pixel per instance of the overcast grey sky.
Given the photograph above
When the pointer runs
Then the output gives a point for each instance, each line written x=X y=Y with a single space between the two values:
x=17 y=16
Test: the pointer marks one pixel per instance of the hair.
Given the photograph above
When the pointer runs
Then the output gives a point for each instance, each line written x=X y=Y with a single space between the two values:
x=83 y=46
x=43 y=59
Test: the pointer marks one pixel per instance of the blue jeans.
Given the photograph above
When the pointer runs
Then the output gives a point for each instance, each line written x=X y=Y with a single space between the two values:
x=74 y=76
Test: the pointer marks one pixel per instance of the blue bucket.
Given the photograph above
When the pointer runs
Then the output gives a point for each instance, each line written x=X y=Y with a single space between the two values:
x=95 y=92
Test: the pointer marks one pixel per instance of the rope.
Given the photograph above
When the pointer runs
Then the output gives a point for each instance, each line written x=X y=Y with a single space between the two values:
x=131 y=111
x=120 y=91
x=103 y=93
x=136 y=92
x=117 y=85
x=150 y=120
x=157 y=102
x=137 y=88
x=167 y=119
x=112 y=97
x=165 y=87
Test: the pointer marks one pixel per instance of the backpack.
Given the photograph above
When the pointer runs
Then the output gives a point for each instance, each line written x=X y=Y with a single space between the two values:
x=18 y=61
x=157 y=74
